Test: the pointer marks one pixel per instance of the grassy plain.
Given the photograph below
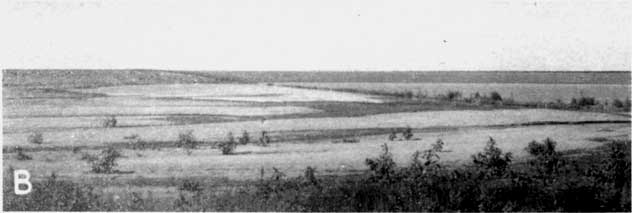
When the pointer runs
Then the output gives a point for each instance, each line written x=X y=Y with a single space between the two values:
x=307 y=129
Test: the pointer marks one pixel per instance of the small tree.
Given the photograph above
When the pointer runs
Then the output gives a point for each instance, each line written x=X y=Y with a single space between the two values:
x=187 y=140
x=392 y=136
x=136 y=142
x=382 y=167
x=229 y=145
x=21 y=155
x=105 y=161
x=453 y=95
x=110 y=122
x=264 y=140
x=617 y=170
x=617 y=103
x=492 y=159
x=408 y=133
x=547 y=159
x=277 y=174
x=310 y=175
x=245 y=138
x=430 y=156
x=35 y=138
x=495 y=96
x=190 y=185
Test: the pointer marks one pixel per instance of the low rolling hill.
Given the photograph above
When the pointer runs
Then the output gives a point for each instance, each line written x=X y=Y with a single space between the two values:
x=61 y=79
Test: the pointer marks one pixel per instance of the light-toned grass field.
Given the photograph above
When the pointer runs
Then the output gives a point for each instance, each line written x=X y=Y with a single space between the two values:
x=122 y=106
x=306 y=127
x=217 y=131
x=327 y=157
x=232 y=92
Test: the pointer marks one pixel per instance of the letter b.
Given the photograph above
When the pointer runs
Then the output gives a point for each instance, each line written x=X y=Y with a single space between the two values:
x=21 y=177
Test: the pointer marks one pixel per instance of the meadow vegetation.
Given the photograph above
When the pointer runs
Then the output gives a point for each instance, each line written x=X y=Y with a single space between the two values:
x=104 y=162
x=109 y=121
x=35 y=138
x=492 y=99
x=549 y=180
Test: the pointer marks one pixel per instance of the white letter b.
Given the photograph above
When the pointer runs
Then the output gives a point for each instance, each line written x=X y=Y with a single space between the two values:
x=21 y=177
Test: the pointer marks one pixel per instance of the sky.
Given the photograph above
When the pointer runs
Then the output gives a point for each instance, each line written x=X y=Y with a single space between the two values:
x=317 y=34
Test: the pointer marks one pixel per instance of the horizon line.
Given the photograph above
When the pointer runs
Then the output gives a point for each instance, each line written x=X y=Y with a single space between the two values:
x=298 y=70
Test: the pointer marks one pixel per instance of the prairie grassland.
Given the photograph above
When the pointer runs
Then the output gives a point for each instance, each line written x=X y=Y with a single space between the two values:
x=216 y=131
x=330 y=158
x=318 y=151
x=492 y=181
x=231 y=92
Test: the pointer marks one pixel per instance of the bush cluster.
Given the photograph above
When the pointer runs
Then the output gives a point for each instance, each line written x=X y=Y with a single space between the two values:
x=550 y=181
x=109 y=122
x=105 y=161
x=35 y=138
x=228 y=146
x=187 y=141
x=490 y=183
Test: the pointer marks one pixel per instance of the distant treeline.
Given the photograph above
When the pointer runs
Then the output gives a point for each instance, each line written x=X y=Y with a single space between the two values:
x=105 y=77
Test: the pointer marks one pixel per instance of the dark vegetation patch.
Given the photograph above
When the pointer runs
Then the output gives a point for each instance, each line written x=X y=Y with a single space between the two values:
x=200 y=119
x=597 y=180
x=454 y=100
x=9 y=93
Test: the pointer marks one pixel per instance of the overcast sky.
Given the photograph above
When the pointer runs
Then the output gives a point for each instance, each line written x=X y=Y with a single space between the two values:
x=318 y=34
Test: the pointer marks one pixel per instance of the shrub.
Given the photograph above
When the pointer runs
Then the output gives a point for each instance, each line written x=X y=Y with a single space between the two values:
x=136 y=141
x=476 y=95
x=495 y=96
x=408 y=133
x=245 y=138
x=617 y=164
x=546 y=148
x=187 y=140
x=76 y=149
x=52 y=194
x=492 y=159
x=105 y=161
x=21 y=155
x=310 y=175
x=190 y=185
x=574 y=103
x=382 y=167
x=618 y=103
x=430 y=156
x=264 y=140
x=229 y=145
x=392 y=136
x=35 y=138
x=453 y=95
x=109 y=122
x=350 y=140
x=586 y=101
x=438 y=145
x=277 y=174
x=547 y=159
